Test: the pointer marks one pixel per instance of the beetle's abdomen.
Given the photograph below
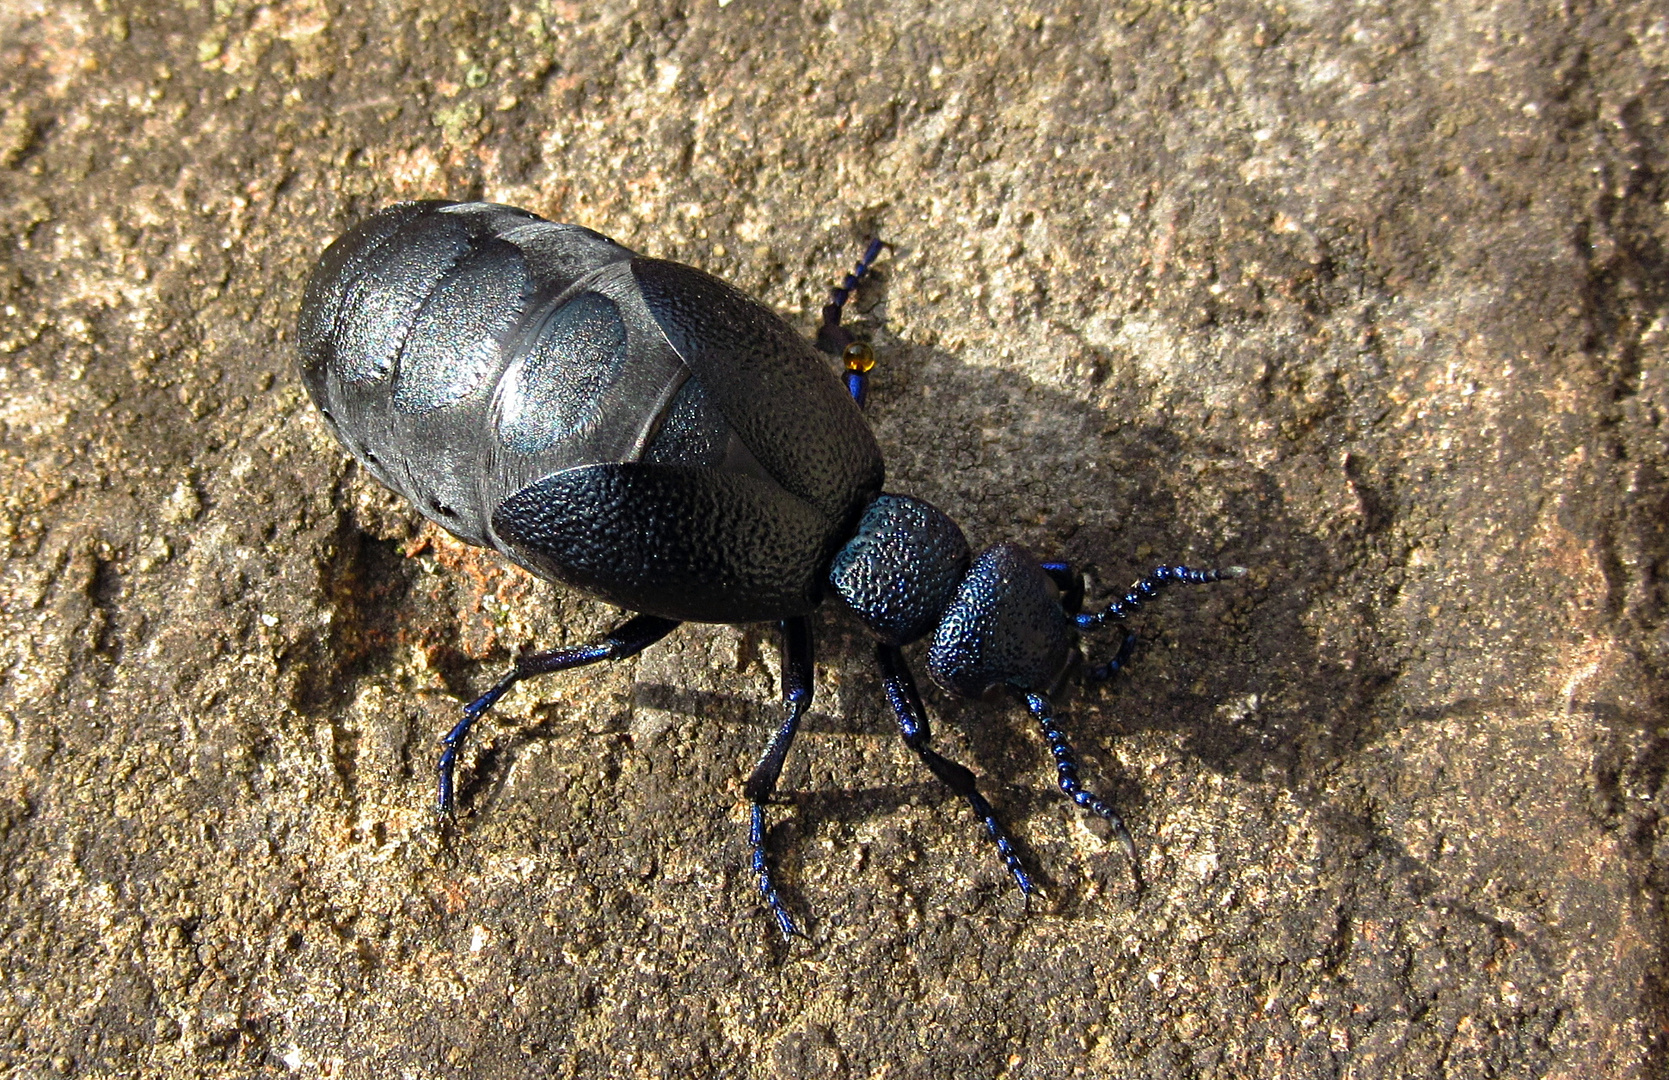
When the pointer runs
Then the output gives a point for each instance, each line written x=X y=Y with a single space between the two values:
x=432 y=338
x=469 y=353
x=689 y=544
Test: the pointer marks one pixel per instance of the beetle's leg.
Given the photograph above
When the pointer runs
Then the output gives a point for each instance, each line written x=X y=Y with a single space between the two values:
x=1140 y=593
x=628 y=639
x=1071 y=584
x=832 y=337
x=796 y=697
x=912 y=723
x=837 y=340
x=1066 y=769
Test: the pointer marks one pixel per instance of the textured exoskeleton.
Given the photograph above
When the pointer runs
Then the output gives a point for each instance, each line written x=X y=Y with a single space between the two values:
x=629 y=426
x=642 y=431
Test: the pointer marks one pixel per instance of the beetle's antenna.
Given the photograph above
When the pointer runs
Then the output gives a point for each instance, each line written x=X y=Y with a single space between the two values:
x=1140 y=593
x=1147 y=588
x=1066 y=769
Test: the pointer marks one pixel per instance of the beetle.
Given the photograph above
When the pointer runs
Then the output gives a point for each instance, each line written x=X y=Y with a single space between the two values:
x=643 y=432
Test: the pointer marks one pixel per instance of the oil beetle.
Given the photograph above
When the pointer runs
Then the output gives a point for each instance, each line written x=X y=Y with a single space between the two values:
x=647 y=434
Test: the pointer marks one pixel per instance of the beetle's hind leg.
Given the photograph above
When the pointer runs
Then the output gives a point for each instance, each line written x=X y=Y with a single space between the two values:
x=797 y=671
x=628 y=639
x=837 y=340
x=912 y=723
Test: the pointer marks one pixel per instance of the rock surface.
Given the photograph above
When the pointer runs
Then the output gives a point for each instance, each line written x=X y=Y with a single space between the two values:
x=1370 y=297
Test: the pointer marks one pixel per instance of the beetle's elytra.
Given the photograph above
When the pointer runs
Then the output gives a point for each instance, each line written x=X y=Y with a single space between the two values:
x=643 y=432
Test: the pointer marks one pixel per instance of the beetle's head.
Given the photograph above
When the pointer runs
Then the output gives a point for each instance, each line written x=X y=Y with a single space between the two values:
x=1005 y=627
x=996 y=621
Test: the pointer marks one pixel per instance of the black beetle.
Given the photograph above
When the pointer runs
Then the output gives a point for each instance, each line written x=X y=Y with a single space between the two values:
x=645 y=433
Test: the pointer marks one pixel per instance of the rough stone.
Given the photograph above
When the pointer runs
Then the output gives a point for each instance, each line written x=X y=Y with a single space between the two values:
x=1372 y=298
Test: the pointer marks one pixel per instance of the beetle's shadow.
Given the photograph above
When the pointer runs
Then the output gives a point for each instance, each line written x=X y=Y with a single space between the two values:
x=1229 y=676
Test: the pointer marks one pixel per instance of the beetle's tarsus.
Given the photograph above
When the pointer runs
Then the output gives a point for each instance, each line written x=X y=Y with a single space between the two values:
x=762 y=870
x=628 y=639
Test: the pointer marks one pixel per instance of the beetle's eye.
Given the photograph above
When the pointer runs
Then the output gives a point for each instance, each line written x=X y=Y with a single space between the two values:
x=859 y=356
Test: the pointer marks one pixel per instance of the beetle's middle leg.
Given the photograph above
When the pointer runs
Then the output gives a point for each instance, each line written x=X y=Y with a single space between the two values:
x=797 y=673
x=837 y=340
x=628 y=639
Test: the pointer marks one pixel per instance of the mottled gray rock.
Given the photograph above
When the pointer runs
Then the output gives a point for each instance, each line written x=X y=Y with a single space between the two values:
x=1370 y=297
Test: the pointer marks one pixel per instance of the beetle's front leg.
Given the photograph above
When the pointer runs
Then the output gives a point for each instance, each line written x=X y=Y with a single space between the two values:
x=912 y=724
x=797 y=673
